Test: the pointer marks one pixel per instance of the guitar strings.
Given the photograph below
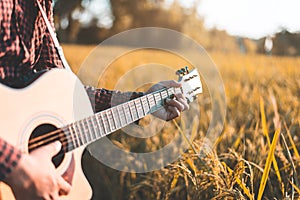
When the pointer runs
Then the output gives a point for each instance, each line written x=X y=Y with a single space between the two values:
x=68 y=137
x=68 y=141
x=86 y=130
x=76 y=141
x=123 y=116
x=54 y=135
x=97 y=115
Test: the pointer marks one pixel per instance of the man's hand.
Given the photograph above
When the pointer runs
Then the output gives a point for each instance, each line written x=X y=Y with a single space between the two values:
x=35 y=177
x=173 y=107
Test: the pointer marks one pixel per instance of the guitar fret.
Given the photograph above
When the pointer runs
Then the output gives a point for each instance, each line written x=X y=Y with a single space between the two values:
x=139 y=108
x=113 y=119
x=100 y=125
x=78 y=132
x=164 y=94
x=133 y=110
x=116 y=118
x=105 y=123
x=71 y=132
x=158 y=100
x=127 y=113
x=145 y=104
x=121 y=114
x=86 y=130
x=93 y=127
x=96 y=127
x=151 y=102
x=91 y=130
x=110 y=120
x=85 y=133
x=82 y=133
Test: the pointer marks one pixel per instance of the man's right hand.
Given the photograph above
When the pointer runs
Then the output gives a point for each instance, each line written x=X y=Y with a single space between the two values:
x=35 y=176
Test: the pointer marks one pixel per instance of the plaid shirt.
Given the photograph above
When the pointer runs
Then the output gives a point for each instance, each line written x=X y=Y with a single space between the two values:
x=26 y=46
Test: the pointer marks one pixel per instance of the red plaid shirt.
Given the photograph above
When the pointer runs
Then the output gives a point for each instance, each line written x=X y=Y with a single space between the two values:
x=26 y=46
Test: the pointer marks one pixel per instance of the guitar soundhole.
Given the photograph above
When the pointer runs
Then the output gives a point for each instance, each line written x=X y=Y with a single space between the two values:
x=44 y=132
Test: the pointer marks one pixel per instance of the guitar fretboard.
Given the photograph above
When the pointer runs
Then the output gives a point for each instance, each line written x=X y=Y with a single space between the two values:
x=89 y=129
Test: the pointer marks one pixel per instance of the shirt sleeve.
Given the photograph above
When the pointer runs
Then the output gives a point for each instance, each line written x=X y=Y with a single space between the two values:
x=102 y=99
x=9 y=158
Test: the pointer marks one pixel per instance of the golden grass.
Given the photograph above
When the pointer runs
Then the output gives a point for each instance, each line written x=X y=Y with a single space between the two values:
x=262 y=93
x=265 y=176
x=265 y=131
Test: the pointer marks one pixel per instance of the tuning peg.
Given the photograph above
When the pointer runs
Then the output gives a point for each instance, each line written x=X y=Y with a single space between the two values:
x=186 y=69
x=182 y=71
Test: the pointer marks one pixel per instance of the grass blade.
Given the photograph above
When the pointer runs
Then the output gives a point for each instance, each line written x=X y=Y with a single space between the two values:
x=289 y=156
x=291 y=141
x=265 y=176
x=264 y=120
x=266 y=133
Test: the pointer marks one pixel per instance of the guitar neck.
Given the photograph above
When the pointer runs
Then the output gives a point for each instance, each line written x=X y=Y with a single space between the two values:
x=103 y=123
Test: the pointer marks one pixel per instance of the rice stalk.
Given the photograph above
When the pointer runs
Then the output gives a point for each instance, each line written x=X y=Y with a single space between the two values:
x=292 y=141
x=267 y=168
x=240 y=182
x=266 y=133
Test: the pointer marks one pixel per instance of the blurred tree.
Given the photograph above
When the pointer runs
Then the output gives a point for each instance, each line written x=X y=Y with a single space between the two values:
x=63 y=10
x=125 y=14
x=139 y=13
x=92 y=21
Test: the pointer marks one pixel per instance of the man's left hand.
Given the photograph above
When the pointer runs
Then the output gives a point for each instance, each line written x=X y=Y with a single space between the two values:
x=173 y=106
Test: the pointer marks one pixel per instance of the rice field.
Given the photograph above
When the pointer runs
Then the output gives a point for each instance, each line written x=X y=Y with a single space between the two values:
x=255 y=157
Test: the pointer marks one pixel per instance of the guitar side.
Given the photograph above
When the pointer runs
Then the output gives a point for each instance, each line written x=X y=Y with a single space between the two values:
x=57 y=98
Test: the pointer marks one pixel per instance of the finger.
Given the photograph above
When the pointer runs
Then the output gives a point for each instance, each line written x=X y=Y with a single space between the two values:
x=175 y=103
x=183 y=101
x=173 y=113
x=64 y=186
x=170 y=83
x=49 y=150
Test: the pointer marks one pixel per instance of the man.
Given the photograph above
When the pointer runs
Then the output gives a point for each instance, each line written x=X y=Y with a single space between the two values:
x=26 y=49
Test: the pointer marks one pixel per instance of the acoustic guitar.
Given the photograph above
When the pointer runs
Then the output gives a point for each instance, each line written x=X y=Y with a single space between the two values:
x=56 y=107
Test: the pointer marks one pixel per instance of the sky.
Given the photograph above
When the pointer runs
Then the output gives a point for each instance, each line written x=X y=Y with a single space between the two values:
x=247 y=18
x=251 y=18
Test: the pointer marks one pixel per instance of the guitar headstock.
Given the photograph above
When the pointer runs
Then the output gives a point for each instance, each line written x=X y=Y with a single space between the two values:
x=191 y=84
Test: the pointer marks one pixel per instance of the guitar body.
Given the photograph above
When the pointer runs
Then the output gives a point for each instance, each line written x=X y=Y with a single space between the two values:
x=56 y=98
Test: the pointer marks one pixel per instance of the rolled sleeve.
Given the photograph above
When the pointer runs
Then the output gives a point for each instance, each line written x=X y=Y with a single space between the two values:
x=9 y=158
x=102 y=99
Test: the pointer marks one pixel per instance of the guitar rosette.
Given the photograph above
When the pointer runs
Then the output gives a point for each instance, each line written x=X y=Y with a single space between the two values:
x=135 y=59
